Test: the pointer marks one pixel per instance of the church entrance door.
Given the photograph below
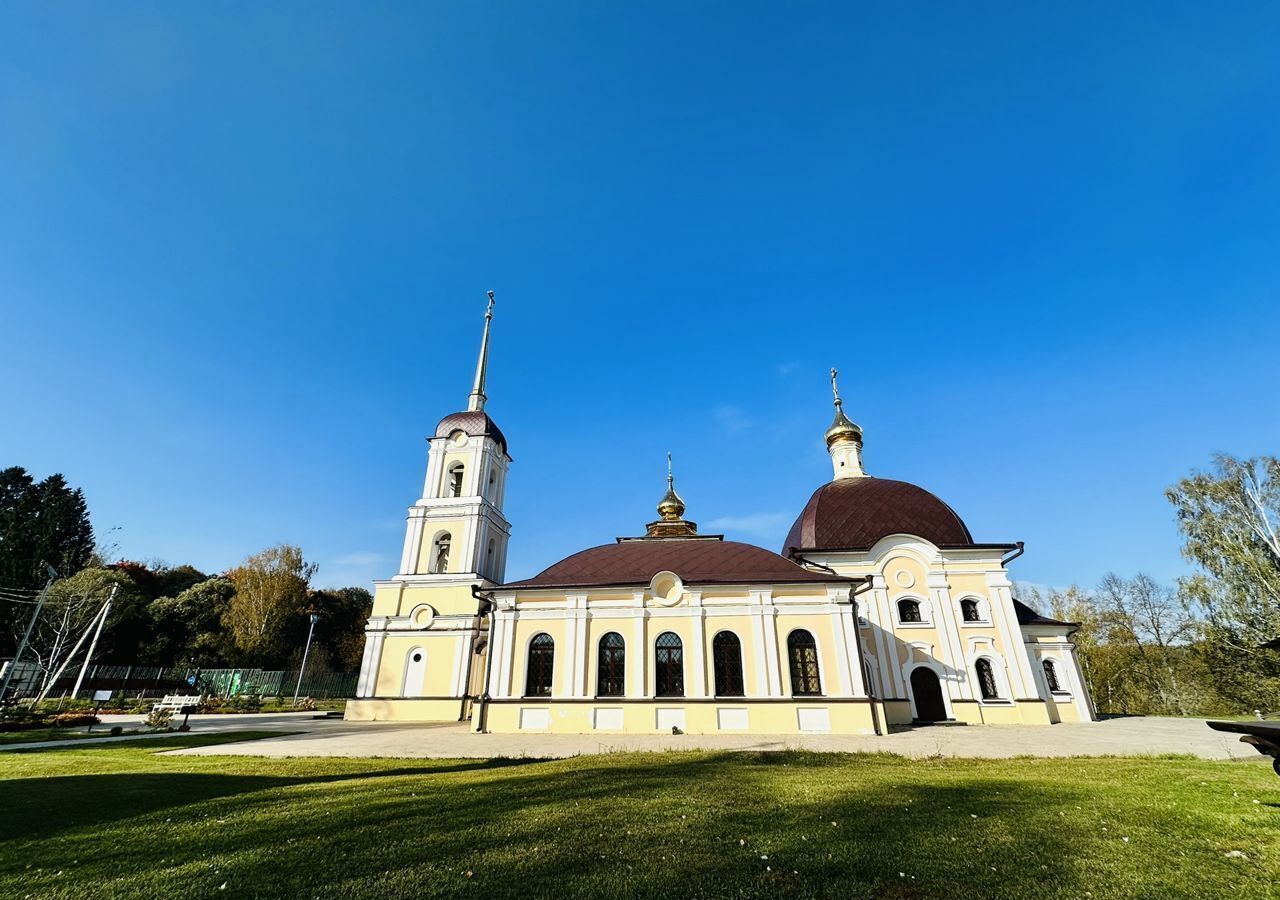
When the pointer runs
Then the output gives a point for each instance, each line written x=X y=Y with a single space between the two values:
x=927 y=693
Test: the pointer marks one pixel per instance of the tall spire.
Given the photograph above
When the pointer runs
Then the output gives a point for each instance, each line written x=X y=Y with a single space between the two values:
x=844 y=439
x=476 y=401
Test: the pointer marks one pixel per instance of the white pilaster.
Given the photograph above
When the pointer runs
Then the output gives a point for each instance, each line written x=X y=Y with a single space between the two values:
x=1022 y=683
x=697 y=655
x=757 y=643
x=637 y=654
x=366 y=669
x=461 y=643
x=773 y=662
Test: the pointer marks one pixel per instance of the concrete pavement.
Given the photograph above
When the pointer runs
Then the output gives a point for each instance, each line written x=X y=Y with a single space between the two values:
x=209 y=724
x=1122 y=737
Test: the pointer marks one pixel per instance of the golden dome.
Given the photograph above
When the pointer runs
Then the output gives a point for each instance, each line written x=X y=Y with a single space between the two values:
x=842 y=429
x=671 y=521
x=671 y=507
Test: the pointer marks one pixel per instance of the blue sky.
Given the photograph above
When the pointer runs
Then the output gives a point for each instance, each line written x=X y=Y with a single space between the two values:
x=244 y=250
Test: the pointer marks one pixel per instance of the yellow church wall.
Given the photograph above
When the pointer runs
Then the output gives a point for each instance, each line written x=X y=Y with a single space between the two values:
x=819 y=625
x=468 y=460
x=1031 y=712
x=441 y=651
x=565 y=717
x=742 y=627
x=524 y=631
x=897 y=712
x=403 y=710
x=431 y=529
x=398 y=598
x=1067 y=711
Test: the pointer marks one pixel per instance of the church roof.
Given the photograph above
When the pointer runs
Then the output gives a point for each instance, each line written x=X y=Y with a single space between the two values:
x=473 y=422
x=697 y=560
x=854 y=513
x=1028 y=616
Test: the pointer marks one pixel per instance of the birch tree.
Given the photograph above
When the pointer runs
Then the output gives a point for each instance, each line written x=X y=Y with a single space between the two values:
x=1230 y=522
x=270 y=590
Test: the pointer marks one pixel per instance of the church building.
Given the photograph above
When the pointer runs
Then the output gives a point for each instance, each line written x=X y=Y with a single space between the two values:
x=879 y=610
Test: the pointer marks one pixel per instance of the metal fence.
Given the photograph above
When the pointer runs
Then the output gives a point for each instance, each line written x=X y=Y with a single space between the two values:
x=154 y=681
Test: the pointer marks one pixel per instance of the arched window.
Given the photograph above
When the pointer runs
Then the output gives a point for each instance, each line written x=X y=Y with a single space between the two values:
x=542 y=657
x=668 y=667
x=1051 y=675
x=611 y=677
x=440 y=554
x=986 y=679
x=970 y=611
x=909 y=611
x=802 y=651
x=455 y=480
x=726 y=653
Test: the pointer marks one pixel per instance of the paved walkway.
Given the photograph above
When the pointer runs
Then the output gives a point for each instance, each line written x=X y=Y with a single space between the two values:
x=1124 y=737
x=212 y=724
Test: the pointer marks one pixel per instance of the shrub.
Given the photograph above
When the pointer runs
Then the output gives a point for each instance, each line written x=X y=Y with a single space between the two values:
x=159 y=719
x=116 y=730
x=16 y=717
x=74 y=719
x=247 y=703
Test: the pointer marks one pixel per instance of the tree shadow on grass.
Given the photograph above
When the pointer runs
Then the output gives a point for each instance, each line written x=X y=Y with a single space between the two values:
x=80 y=801
x=636 y=826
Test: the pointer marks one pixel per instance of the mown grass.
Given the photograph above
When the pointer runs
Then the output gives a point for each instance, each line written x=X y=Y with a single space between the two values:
x=123 y=821
x=33 y=735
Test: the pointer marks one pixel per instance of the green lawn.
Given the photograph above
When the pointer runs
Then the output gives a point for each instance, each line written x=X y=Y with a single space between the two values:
x=32 y=735
x=121 y=821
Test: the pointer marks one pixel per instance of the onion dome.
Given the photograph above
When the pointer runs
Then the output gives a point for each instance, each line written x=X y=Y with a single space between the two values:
x=696 y=560
x=842 y=429
x=855 y=513
x=671 y=511
x=671 y=507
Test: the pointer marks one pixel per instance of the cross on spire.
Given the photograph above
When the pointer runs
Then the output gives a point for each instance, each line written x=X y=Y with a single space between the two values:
x=476 y=401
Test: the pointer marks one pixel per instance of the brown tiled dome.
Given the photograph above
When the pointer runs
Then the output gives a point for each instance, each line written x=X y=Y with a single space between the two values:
x=474 y=422
x=854 y=513
x=695 y=560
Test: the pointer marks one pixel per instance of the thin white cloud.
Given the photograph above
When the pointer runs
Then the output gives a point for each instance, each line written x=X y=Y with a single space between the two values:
x=767 y=524
x=786 y=368
x=357 y=559
x=353 y=570
x=732 y=418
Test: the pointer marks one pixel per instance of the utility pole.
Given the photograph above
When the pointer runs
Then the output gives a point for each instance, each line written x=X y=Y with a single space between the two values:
x=93 y=644
x=26 y=635
x=297 y=690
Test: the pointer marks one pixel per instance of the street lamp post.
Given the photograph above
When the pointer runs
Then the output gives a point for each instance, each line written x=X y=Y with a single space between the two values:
x=315 y=617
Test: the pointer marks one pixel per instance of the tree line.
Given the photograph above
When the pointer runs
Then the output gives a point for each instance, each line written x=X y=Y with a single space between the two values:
x=1195 y=647
x=254 y=614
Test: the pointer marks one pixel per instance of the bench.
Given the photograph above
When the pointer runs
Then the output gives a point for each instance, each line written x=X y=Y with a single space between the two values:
x=179 y=702
x=1263 y=736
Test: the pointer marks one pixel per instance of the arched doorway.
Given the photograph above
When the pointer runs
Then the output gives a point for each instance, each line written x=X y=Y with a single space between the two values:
x=927 y=693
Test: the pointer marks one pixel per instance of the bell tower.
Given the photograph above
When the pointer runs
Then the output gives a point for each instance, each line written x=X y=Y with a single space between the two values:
x=457 y=531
